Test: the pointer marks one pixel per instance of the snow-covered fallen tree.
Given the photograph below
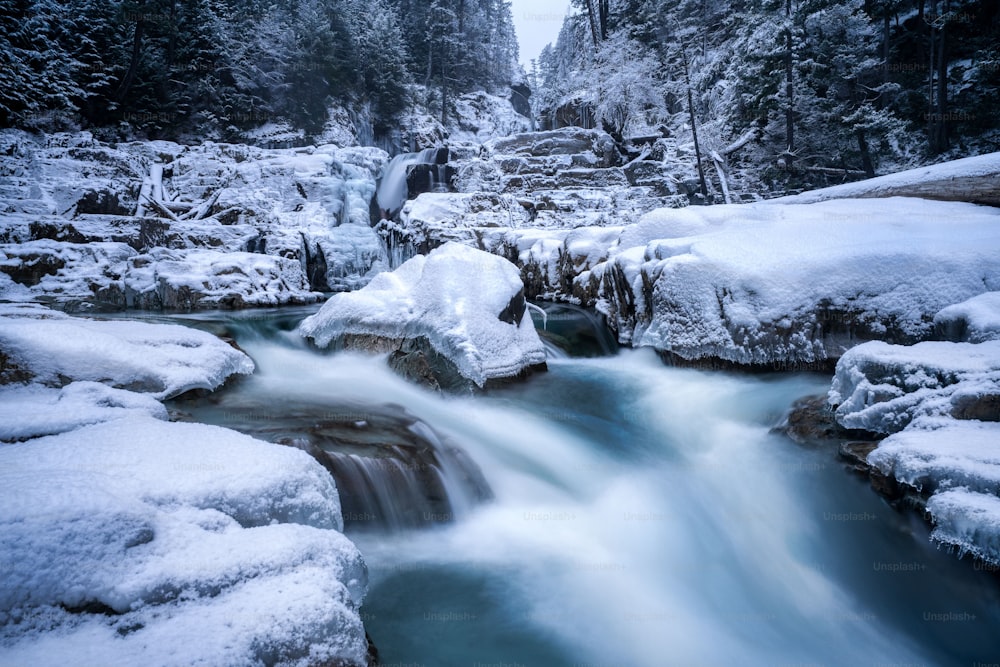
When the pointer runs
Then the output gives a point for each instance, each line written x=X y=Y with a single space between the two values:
x=462 y=305
x=973 y=179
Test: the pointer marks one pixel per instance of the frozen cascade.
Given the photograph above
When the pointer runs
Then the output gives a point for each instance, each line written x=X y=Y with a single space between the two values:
x=392 y=191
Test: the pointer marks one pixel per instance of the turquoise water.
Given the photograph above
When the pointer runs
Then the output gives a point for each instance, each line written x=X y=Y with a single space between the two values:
x=642 y=516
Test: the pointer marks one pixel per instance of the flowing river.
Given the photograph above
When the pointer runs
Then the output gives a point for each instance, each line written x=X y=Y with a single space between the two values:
x=610 y=512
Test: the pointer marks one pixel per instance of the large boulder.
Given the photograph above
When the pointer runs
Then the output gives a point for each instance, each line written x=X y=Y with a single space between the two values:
x=453 y=318
x=795 y=285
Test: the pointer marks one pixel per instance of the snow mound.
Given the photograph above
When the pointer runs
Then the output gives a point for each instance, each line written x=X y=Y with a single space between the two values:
x=454 y=297
x=968 y=521
x=975 y=320
x=122 y=541
x=884 y=388
x=33 y=410
x=798 y=284
x=160 y=359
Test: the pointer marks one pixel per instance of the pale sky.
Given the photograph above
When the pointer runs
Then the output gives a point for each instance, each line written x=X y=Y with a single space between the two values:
x=537 y=23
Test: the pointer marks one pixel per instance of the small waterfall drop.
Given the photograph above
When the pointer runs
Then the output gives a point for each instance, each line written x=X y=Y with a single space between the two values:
x=392 y=191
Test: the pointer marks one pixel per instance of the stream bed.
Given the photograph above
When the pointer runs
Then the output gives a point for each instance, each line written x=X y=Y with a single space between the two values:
x=610 y=512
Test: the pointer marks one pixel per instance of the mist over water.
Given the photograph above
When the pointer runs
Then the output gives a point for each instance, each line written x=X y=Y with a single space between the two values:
x=647 y=516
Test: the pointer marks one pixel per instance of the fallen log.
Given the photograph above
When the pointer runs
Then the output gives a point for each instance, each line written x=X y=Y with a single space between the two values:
x=975 y=180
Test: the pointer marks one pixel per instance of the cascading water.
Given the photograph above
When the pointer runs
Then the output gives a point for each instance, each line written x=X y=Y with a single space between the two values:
x=392 y=191
x=642 y=516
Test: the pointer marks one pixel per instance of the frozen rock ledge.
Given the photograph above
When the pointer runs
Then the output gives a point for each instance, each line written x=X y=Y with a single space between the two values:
x=453 y=317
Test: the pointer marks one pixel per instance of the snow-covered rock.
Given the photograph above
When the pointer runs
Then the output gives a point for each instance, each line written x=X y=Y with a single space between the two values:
x=122 y=541
x=308 y=206
x=959 y=453
x=795 y=284
x=466 y=304
x=968 y=521
x=75 y=275
x=941 y=403
x=163 y=360
x=191 y=279
x=480 y=117
x=975 y=320
x=883 y=388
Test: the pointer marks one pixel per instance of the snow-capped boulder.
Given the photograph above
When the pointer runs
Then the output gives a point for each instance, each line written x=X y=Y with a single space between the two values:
x=163 y=360
x=457 y=313
x=975 y=320
x=883 y=388
x=795 y=285
x=121 y=541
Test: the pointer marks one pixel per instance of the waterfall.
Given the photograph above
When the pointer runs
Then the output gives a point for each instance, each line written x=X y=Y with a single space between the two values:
x=392 y=191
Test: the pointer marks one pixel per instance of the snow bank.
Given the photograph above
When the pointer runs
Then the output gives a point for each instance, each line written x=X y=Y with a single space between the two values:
x=883 y=388
x=139 y=541
x=764 y=284
x=454 y=297
x=975 y=320
x=160 y=359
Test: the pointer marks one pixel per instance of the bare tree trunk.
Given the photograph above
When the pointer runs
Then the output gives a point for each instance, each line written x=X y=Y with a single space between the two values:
x=133 y=63
x=941 y=133
x=931 y=69
x=866 y=155
x=595 y=30
x=885 y=42
x=789 y=87
x=694 y=125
